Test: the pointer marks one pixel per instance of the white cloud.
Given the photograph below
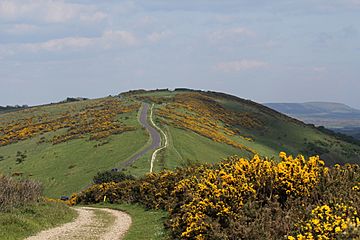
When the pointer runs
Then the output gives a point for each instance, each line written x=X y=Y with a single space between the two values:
x=49 y=11
x=96 y=17
x=319 y=69
x=241 y=31
x=231 y=33
x=59 y=44
x=145 y=20
x=5 y=52
x=11 y=9
x=109 y=39
x=18 y=29
x=157 y=36
x=240 y=65
x=57 y=12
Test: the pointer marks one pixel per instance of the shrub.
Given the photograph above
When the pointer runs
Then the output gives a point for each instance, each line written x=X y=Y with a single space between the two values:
x=337 y=221
x=111 y=176
x=247 y=199
x=15 y=193
x=20 y=157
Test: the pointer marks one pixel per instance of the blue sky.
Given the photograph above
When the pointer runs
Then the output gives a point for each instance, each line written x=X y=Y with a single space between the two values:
x=267 y=51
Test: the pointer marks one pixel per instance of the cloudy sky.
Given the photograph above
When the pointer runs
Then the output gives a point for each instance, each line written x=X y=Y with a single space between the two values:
x=264 y=50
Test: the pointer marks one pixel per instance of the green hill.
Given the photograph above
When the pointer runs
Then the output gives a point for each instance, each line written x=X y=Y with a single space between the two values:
x=64 y=145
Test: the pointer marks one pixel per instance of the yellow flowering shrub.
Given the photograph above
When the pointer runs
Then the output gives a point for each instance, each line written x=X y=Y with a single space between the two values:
x=329 y=222
x=73 y=200
x=219 y=193
x=298 y=175
x=235 y=197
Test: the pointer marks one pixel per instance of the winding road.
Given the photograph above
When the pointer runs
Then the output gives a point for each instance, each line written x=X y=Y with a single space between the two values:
x=153 y=157
x=154 y=135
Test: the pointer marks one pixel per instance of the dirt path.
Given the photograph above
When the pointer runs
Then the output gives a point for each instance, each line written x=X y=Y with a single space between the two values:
x=91 y=223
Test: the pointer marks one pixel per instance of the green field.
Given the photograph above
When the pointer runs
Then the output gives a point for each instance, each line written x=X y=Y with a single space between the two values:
x=66 y=168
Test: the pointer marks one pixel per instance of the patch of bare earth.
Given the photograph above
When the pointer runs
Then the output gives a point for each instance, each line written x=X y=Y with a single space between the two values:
x=91 y=223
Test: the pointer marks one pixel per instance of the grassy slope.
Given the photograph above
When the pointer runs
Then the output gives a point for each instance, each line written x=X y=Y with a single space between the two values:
x=68 y=167
x=280 y=133
x=184 y=148
x=188 y=147
x=285 y=134
x=25 y=221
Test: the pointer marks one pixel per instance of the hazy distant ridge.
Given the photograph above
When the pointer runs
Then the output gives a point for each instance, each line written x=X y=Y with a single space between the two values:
x=335 y=116
x=314 y=108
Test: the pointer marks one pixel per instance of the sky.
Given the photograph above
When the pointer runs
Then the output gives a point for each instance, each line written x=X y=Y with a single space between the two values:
x=263 y=50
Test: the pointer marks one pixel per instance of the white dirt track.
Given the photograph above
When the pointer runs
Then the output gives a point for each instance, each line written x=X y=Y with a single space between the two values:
x=88 y=226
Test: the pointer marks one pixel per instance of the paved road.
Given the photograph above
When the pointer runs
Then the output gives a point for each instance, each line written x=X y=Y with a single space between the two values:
x=154 y=134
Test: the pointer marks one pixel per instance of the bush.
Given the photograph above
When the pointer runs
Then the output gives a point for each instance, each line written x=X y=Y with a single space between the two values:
x=14 y=193
x=111 y=176
x=248 y=199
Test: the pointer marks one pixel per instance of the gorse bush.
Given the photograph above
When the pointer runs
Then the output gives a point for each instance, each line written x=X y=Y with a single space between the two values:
x=14 y=193
x=330 y=222
x=248 y=199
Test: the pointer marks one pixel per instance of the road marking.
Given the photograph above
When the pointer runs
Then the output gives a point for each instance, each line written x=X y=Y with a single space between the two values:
x=153 y=156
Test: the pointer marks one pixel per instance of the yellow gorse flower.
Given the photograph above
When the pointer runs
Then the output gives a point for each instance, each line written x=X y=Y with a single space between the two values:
x=329 y=222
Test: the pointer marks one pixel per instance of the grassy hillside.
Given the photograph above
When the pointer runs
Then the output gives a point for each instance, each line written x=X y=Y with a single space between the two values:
x=65 y=145
x=245 y=125
x=68 y=166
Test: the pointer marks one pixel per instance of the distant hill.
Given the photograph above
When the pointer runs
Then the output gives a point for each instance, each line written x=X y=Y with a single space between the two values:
x=336 y=116
x=65 y=144
x=316 y=109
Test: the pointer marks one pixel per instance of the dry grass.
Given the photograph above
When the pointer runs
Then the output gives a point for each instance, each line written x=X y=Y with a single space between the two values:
x=14 y=193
